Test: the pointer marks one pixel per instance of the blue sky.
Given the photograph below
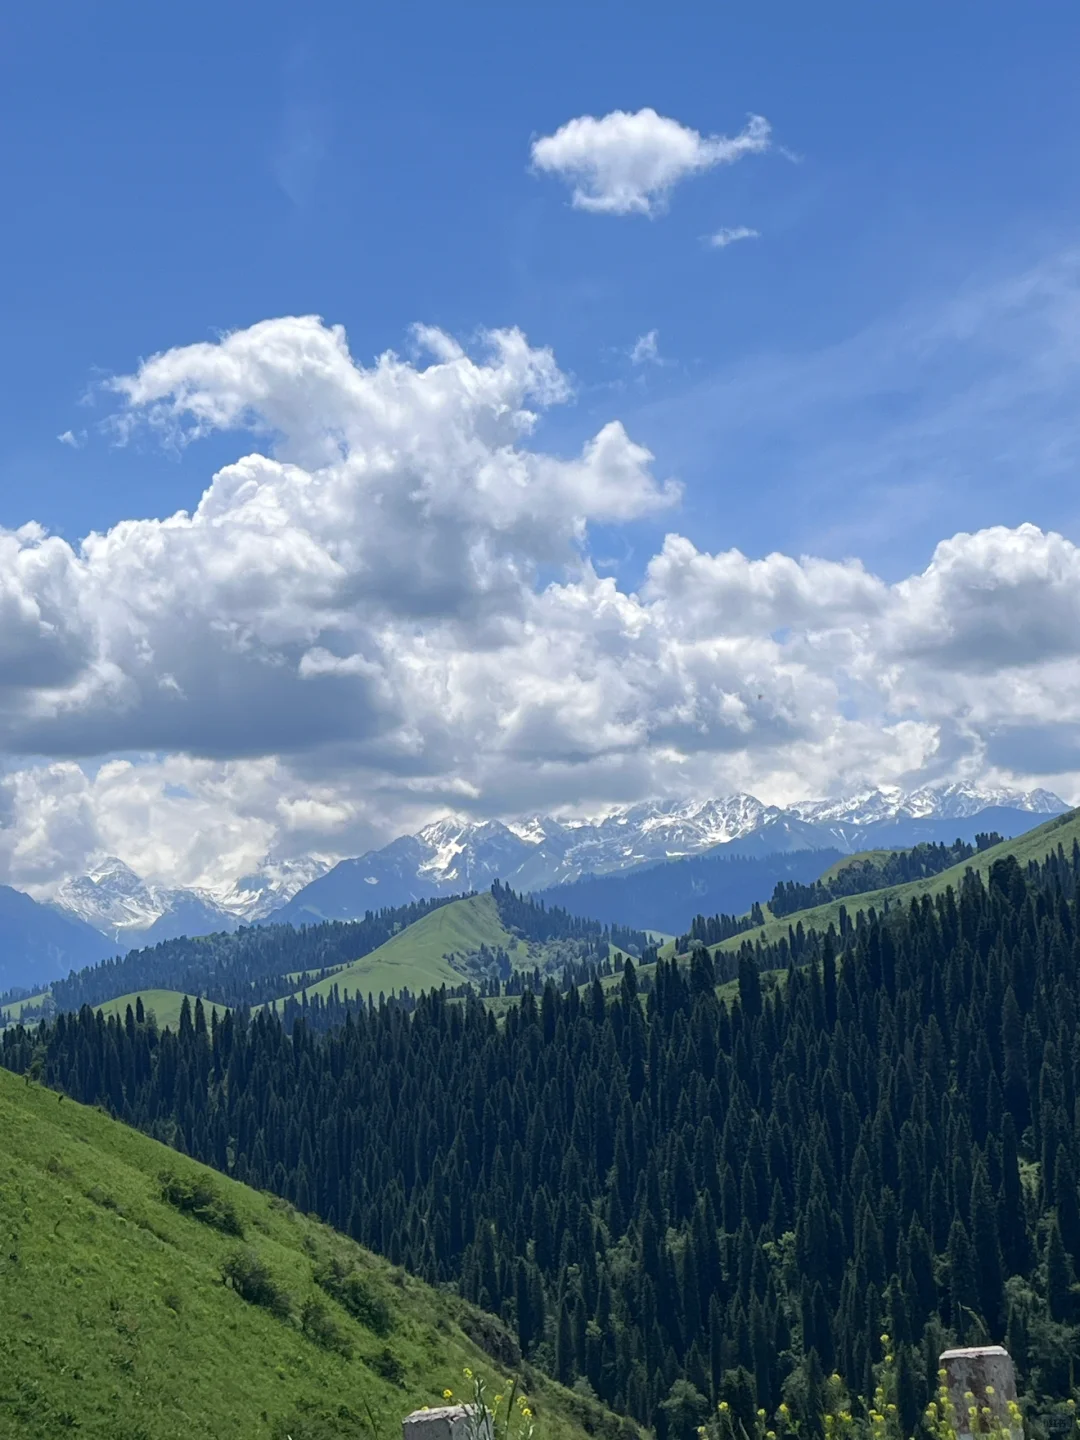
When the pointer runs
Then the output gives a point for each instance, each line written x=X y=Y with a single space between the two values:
x=172 y=174
x=882 y=375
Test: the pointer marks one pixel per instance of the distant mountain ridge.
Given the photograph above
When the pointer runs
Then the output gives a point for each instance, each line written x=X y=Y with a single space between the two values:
x=132 y=911
x=38 y=943
x=533 y=854
x=539 y=853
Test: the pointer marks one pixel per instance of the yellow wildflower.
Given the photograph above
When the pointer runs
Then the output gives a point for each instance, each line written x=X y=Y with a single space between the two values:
x=467 y=1373
x=448 y=1394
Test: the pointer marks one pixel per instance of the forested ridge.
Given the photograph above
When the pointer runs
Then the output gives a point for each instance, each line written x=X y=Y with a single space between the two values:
x=862 y=874
x=687 y=1195
x=241 y=967
x=258 y=964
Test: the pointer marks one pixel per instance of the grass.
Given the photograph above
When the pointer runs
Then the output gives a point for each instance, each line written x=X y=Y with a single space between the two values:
x=1033 y=845
x=115 y=1322
x=415 y=957
x=164 y=1003
x=12 y=1014
x=862 y=857
x=296 y=975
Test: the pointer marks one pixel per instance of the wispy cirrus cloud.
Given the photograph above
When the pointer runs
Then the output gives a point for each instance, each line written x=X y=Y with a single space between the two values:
x=952 y=413
x=646 y=349
x=730 y=235
x=628 y=163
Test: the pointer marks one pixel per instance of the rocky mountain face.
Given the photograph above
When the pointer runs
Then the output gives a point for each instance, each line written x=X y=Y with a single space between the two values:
x=540 y=852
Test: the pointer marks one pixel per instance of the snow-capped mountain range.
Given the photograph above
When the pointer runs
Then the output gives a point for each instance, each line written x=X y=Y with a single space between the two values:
x=535 y=853
x=131 y=911
x=540 y=852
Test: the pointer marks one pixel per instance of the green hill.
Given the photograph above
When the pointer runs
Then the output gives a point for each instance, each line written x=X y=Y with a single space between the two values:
x=115 y=1321
x=415 y=957
x=164 y=1003
x=877 y=858
x=1032 y=845
x=10 y=1014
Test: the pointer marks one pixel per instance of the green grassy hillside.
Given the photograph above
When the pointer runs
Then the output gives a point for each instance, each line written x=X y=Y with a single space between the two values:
x=415 y=956
x=115 y=1322
x=164 y=1003
x=861 y=857
x=1033 y=845
x=10 y=1014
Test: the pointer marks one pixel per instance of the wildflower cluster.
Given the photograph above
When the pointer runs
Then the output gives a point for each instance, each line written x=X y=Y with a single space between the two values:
x=506 y=1417
x=943 y=1423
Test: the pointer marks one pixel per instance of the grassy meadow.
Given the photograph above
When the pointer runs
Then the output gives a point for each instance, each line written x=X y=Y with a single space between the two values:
x=115 y=1322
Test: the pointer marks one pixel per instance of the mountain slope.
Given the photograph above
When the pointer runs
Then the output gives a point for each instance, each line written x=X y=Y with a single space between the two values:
x=416 y=957
x=114 y=1320
x=37 y=943
x=1033 y=845
x=667 y=897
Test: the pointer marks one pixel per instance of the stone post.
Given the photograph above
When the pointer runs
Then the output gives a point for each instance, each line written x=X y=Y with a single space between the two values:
x=986 y=1373
x=445 y=1422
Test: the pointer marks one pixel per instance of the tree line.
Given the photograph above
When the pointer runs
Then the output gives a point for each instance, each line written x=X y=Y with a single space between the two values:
x=895 y=867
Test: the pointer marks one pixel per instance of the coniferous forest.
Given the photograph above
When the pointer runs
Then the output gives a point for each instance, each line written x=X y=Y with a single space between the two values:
x=672 y=1193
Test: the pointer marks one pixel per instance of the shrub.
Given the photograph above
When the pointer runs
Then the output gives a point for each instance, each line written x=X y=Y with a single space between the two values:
x=492 y=1336
x=194 y=1196
x=252 y=1281
x=320 y=1327
x=386 y=1365
x=354 y=1292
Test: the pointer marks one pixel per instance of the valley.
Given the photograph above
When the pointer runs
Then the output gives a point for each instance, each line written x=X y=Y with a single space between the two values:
x=622 y=1151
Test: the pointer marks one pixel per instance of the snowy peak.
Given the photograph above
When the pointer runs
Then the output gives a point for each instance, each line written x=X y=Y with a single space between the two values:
x=133 y=911
x=938 y=802
x=698 y=824
x=537 y=852
x=258 y=895
x=111 y=897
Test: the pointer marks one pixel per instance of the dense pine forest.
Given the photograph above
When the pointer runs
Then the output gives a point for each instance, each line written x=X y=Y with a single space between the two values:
x=895 y=867
x=687 y=1194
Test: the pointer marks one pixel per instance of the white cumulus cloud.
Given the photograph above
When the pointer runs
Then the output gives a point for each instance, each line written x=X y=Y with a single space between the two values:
x=628 y=163
x=387 y=609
